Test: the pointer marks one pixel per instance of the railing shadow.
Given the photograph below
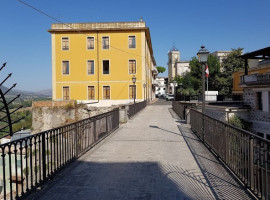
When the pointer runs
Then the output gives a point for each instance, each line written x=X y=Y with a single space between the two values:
x=132 y=180
x=223 y=184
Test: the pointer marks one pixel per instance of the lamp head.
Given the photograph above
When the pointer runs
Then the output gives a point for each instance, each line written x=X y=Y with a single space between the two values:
x=203 y=54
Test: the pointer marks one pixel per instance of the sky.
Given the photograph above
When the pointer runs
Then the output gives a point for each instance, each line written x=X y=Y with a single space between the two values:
x=25 y=43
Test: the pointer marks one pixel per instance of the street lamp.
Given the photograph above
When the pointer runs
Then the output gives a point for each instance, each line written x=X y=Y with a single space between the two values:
x=134 y=91
x=174 y=85
x=202 y=57
x=144 y=86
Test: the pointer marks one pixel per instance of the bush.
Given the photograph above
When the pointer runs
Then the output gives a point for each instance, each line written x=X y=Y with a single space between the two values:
x=240 y=123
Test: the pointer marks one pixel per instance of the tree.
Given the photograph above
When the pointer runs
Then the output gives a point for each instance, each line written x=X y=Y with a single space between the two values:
x=214 y=70
x=192 y=81
x=231 y=63
x=161 y=69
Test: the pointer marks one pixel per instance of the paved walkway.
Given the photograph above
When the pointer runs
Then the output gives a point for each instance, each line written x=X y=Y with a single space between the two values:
x=154 y=157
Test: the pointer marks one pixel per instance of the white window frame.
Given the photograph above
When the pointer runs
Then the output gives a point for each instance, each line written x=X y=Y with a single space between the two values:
x=109 y=67
x=135 y=42
x=62 y=44
x=88 y=92
x=63 y=92
x=103 y=92
x=87 y=67
x=135 y=66
x=68 y=67
x=108 y=44
x=87 y=42
x=129 y=91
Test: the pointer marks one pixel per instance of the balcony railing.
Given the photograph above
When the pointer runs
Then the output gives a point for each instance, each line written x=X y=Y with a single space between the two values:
x=256 y=79
x=246 y=154
x=28 y=162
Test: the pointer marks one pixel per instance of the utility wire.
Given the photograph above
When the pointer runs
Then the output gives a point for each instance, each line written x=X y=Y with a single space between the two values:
x=55 y=19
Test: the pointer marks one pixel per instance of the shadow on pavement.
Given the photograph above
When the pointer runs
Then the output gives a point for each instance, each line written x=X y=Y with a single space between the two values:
x=222 y=183
x=133 y=180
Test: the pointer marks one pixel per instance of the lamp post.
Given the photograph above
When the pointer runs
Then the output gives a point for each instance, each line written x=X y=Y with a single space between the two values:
x=202 y=57
x=134 y=91
x=144 y=85
x=174 y=85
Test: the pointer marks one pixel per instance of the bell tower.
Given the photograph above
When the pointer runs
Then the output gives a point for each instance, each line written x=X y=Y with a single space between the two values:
x=173 y=56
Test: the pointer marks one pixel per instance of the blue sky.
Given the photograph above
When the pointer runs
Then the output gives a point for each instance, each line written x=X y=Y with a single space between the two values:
x=25 y=43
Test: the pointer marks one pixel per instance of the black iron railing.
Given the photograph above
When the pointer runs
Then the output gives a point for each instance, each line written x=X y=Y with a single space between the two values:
x=246 y=154
x=223 y=98
x=28 y=162
x=181 y=108
x=134 y=108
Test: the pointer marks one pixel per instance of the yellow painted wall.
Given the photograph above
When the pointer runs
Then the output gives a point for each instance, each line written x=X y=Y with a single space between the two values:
x=119 y=78
x=237 y=75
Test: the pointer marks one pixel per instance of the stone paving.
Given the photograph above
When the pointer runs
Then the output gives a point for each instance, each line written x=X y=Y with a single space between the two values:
x=154 y=156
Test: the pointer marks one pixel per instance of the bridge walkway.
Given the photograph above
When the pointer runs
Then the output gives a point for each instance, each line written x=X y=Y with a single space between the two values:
x=153 y=156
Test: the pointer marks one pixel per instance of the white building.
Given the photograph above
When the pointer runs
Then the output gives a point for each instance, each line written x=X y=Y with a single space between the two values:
x=220 y=54
x=181 y=67
x=161 y=87
x=176 y=67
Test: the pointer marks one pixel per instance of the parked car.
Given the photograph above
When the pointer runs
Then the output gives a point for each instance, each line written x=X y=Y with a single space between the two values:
x=163 y=96
x=170 y=97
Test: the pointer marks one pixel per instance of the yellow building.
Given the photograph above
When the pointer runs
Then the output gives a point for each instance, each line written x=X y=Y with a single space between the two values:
x=256 y=67
x=95 y=62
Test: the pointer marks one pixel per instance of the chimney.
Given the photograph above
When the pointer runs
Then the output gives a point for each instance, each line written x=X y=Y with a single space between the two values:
x=141 y=19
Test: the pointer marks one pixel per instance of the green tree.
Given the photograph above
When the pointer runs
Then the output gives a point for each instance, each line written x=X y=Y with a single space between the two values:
x=161 y=69
x=214 y=70
x=192 y=81
x=230 y=64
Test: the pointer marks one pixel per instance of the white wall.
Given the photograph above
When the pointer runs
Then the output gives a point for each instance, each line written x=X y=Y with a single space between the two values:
x=181 y=68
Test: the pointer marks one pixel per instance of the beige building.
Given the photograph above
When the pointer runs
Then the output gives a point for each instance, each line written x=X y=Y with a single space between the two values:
x=173 y=57
x=176 y=67
x=220 y=55
x=181 y=67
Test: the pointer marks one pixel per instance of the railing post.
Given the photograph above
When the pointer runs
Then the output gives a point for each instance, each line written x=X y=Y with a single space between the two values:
x=251 y=162
x=106 y=123
x=227 y=145
x=95 y=129
x=76 y=140
x=203 y=134
x=43 y=144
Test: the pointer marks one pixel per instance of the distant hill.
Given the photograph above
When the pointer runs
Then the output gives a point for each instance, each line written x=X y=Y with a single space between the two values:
x=46 y=92
x=41 y=93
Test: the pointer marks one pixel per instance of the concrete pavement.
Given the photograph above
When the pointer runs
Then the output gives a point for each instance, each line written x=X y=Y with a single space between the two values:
x=153 y=156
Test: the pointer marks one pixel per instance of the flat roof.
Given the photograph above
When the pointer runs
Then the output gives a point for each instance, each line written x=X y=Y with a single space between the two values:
x=258 y=54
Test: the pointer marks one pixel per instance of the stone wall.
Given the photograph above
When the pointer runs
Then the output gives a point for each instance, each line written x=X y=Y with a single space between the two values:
x=51 y=114
x=250 y=98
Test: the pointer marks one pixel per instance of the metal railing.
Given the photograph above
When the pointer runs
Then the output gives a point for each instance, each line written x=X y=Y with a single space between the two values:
x=256 y=79
x=180 y=108
x=28 y=162
x=246 y=154
x=134 y=108
x=213 y=98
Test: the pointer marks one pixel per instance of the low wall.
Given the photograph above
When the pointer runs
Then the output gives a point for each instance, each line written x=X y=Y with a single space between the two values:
x=51 y=114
